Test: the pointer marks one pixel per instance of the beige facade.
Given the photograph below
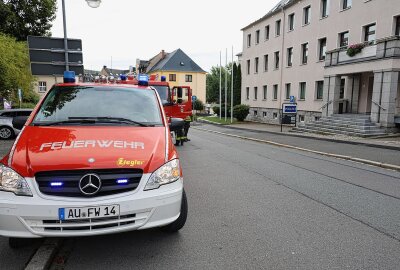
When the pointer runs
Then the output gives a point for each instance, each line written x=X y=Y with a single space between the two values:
x=196 y=81
x=44 y=83
x=304 y=28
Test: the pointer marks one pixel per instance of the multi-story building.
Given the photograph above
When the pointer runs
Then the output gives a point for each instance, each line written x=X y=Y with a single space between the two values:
x=179 y=70
x=302 y=49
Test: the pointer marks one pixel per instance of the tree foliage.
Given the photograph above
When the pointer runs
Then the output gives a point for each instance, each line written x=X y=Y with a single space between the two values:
x=213 y=83
x=20 y=18
x=198 y=105
x=241 y=111
x=14 y=70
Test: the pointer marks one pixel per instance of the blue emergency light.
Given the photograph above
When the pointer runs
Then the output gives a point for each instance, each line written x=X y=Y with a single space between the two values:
x=123 y=77
x=69 y=76
x=56 y=184
x=163 y=78
x=122 y=181
x=143 y=80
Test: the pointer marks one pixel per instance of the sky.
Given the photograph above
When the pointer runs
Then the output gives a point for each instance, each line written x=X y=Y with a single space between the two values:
x=124 y=30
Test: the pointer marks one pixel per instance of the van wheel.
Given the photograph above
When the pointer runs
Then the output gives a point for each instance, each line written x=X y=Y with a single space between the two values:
x=15 y=243
x=180 y=222
x=6 y=133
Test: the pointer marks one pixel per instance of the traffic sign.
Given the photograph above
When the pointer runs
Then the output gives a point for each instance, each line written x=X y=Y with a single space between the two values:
x=194 y=98
x=292 y=99
x=289 y=108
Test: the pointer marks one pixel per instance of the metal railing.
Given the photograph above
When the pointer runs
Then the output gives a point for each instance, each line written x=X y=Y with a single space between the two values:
x=326 y=104
x=377 y=104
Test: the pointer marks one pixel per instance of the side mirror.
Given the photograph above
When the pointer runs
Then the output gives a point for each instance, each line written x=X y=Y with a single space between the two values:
x=176 y=124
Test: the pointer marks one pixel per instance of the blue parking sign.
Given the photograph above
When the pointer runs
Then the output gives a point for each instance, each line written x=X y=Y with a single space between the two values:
x=292 y=99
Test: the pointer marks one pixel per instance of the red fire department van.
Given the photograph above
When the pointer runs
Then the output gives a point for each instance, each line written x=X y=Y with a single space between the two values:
x=92 y=159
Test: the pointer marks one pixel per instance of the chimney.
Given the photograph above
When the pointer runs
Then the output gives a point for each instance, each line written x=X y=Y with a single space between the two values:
x=162 y=54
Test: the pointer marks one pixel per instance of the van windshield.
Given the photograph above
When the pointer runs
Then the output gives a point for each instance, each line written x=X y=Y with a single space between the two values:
x=103 y=105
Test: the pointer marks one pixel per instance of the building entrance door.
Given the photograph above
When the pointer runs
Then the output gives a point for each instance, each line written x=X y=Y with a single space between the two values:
x=369 y=96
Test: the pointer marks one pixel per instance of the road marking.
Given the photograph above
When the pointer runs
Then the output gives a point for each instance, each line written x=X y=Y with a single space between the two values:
x=44 y=255
x=360 y=160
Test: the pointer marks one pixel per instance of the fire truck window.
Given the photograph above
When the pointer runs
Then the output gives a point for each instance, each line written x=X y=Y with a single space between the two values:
x=179 y=95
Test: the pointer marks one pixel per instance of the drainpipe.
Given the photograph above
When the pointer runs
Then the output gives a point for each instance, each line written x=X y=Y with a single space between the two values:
x=380 y=98
x=281 y=60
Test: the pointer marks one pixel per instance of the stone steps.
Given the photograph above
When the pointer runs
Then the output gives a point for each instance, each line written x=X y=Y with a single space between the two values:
x=346 y=124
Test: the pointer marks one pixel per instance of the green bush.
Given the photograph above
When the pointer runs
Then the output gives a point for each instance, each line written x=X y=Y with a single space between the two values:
x=198 y=105
x=241 y=111
x=228 y=110
x=216 y=110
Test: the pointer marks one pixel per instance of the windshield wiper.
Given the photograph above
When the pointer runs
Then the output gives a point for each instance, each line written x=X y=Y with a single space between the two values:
x=69 y=121
x=108 y=119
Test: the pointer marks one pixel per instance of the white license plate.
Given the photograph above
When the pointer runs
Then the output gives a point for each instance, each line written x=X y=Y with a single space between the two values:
x=103 y=211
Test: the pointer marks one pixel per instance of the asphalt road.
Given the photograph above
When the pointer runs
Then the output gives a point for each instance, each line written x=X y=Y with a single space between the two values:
x=359 y=151
x=256 y=206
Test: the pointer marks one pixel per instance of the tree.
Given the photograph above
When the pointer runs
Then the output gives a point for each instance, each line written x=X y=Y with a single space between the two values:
x=14 y=70
x=19 y=18
x=198 y=105
x=213 y=84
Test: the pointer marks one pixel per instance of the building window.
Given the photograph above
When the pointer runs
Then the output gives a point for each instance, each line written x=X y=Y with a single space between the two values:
x=255 y=93
x=248 y=67
x=275 y=91
x=346 y=4
x=276 y=60
x=42 y=87
x=266 y=62
x=369 y=32
x=275 y=115
x=256 y=65
x=248 y=40
x=188 y=78
x=344 y=39
x=265 y=92
x=320 y=90
x=302 y=91
x=322 y=49
x=306 y=15
x=172 y=77
x=255 y=113
x=324 y=8
x=291 y=22
x=257 y=36
x=304 y=53
x=264 y=114
x=301 y=118
x=397 y=26
x=278 y=28
x=247 y=93
x=266 y=32
x=287 y=91
x=289 y=57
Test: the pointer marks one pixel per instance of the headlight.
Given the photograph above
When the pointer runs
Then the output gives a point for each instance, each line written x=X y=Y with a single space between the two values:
x=13 y=182
x=168 y=173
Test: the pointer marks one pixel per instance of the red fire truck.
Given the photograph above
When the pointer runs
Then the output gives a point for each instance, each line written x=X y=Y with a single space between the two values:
x=177 y=102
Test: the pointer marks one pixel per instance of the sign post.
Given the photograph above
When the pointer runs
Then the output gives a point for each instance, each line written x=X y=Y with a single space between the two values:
x=194 y=98
x=20 y=97
x=289 y=114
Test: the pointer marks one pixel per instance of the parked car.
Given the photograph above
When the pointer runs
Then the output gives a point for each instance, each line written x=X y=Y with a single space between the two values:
x=12 y=121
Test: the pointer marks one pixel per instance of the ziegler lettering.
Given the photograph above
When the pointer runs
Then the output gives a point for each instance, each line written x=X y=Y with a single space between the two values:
x=123 y=162
x=92 y=144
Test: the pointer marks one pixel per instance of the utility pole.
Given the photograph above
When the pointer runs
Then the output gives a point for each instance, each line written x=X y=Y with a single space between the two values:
x=220 y=85
x=65 y=37
x=226 y=81
x=232 y=90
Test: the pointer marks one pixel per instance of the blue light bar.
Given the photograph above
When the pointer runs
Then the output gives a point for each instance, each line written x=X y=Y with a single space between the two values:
x=123 y=77
x=122 y=181
x=56 y=184
x=163 y=78
x=143 y=80
x=69 y=76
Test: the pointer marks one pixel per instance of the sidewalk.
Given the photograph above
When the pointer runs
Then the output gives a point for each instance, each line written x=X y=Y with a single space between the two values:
x=390 y=142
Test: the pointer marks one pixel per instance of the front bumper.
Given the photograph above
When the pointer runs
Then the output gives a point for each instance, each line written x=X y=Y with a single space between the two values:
x=37 y=216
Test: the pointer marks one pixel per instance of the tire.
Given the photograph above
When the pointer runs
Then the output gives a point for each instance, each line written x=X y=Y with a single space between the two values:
x=180 y=222
x=6 y=133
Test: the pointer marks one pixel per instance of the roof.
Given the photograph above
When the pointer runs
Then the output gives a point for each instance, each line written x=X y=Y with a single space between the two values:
x=277 y=8
x=115 y=71
x=177 y=61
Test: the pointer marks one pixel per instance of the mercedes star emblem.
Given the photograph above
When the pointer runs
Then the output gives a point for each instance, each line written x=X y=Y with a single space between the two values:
x=90 y=184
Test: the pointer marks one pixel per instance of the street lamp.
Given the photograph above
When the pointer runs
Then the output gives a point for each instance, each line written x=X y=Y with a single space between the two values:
x=92 y=4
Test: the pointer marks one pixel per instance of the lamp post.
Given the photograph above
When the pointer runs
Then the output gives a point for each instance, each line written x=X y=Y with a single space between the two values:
x=92 y=4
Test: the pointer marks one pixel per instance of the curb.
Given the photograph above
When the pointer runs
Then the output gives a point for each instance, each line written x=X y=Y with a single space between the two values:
x=360 y=160
x=389 y=147
x=43 y=257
